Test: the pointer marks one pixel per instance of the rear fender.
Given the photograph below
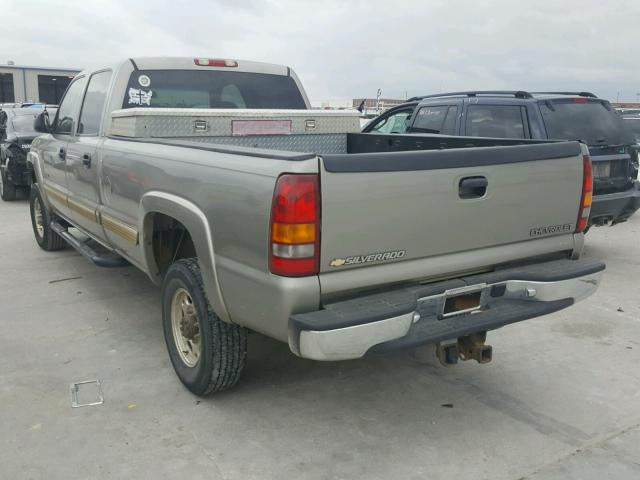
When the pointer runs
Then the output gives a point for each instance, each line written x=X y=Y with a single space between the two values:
x=196 y=223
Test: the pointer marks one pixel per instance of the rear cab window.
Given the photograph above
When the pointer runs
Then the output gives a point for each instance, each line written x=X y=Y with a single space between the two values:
x=591 y=121
x=211 y=89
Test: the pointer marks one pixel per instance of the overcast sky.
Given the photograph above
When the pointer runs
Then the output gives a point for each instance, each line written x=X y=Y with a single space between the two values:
x=350 y=48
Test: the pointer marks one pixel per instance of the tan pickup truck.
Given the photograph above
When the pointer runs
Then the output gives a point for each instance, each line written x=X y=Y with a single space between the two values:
x=255 y=213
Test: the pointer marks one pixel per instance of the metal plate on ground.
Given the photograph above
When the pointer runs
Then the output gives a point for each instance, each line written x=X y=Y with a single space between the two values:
x=86 y=394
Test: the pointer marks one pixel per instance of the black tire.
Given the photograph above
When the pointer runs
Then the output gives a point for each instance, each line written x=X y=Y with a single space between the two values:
x=8 y=188
x=47 y=239
x=223 y=346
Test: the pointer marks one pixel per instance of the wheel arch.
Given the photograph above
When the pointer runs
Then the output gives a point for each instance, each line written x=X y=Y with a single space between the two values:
x=194 y=221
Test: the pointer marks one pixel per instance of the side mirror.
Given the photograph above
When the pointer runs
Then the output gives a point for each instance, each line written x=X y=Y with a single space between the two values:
x=41 y=123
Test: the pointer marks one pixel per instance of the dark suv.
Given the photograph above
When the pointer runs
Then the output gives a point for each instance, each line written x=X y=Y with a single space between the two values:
x=16 y=134
x=529 y=116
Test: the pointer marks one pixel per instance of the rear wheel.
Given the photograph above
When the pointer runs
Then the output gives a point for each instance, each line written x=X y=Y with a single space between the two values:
x=41 y=222
x=7 y=187
x=207 y=354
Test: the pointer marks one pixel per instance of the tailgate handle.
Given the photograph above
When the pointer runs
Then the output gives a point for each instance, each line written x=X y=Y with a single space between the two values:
x=472 y=187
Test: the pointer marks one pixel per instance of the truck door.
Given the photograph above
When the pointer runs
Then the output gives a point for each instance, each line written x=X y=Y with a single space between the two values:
x=54 y=146
x=83 y=163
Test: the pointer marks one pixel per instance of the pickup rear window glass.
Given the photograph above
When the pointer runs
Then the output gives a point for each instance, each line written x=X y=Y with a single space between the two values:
x=497 y=121
x=435 y=119
x=211 y=89
x=587 y=121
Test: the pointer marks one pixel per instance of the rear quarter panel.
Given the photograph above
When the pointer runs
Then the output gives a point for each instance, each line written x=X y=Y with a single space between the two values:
x=234 y=193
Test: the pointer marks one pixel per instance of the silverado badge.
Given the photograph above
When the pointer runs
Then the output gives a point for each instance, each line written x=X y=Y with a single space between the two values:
x=372 y=257
x=551 y=229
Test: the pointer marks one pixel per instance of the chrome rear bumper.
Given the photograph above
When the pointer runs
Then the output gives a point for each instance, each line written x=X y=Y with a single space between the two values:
x=350 y=329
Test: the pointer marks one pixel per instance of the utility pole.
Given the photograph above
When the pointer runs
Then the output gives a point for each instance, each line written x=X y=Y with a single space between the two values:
x=378 y=93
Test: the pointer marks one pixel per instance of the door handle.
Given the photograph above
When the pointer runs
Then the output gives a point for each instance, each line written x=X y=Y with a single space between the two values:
x=61 y=153
x=86 y=160
x=472 y=187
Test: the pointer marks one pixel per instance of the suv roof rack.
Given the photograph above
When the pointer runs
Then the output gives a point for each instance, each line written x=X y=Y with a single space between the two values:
x=580 y=94
x=474 y=93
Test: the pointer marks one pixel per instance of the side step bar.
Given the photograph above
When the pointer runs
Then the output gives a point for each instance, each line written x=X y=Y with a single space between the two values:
x=106 y=259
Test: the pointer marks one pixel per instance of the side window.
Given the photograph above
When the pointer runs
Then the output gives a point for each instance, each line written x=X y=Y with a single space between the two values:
x=93 y=104
x=430 y=119
x=65 y=118
x=396 y=123
x=498 y=121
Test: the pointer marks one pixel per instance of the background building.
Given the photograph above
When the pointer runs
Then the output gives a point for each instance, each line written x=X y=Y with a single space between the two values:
x=625 y=104
x=33 y=84
x=372 y=102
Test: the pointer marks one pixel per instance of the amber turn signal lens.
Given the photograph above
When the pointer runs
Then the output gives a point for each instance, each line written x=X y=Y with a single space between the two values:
x=293 y=233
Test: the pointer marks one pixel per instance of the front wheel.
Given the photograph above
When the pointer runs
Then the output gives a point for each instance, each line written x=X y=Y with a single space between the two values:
x=46 y=237
x=207 y=354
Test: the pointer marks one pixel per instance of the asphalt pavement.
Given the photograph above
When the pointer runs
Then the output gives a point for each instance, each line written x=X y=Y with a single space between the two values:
x=561 y=399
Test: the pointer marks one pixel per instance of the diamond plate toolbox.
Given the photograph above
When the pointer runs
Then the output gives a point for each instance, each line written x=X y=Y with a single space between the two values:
x=198 y=123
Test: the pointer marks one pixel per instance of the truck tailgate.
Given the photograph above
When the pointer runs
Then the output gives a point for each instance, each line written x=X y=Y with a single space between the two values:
x=388 y=207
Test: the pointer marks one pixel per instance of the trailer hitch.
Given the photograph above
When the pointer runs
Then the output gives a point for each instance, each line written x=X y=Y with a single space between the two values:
x=469 y=347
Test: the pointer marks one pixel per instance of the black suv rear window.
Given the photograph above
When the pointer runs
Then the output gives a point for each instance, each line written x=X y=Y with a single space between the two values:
x=211 y=89
x=586 y=120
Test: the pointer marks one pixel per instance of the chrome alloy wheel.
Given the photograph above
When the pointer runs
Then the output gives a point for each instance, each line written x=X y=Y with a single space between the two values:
x=37 y=217
x=185 y=327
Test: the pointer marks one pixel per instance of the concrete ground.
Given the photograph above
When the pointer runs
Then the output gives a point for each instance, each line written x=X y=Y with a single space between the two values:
x=560 y=401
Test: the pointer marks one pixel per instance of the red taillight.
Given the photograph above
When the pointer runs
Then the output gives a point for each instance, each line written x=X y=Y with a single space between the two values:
x=579 y=100
x=215 y=62
x=294 y=237
x=587 y=194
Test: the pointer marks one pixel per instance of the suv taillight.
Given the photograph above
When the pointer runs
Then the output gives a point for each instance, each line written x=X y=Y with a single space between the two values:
x=587 y=194
x=294 y=249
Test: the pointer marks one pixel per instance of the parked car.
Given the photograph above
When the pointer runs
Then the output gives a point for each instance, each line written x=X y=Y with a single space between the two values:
x=255 y=213
x=523 y=115
x=16 y=135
